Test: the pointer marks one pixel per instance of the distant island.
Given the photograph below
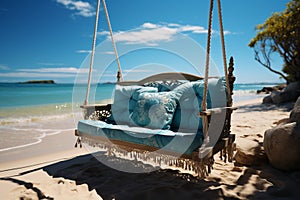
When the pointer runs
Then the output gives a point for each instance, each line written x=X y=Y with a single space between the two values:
x=38 y=82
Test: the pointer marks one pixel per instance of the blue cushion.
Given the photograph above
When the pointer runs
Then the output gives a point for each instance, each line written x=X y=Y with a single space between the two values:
x=217 y=91
x=186 y=117
x=163 y=87
x=124 y=94
x=178 y=142
x=155 y=110
x=125 y=98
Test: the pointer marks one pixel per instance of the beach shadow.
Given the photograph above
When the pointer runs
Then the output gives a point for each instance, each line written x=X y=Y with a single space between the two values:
x=286 y=107
x=28 y=186
x=110 y=183
x=285 y=184
x=166 y=183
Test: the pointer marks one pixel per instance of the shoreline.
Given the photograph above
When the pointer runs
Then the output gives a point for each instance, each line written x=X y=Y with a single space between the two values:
x=63 y=117
x=56 y=169
x=68 y=125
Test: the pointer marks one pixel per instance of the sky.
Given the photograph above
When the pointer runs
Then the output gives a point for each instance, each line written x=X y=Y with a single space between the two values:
x=52 y=39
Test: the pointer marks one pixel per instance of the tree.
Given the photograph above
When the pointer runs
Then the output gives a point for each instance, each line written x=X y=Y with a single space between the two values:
x=280 y=34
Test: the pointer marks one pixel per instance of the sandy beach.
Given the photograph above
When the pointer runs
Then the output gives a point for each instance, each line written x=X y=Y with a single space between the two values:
x=54 y=169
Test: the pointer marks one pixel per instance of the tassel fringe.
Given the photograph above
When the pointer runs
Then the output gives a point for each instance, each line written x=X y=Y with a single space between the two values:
x=198 y=167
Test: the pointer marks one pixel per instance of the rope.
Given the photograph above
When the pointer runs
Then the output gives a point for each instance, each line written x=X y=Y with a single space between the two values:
x=112 y=40
x=224 y=52
x=205 y=120
x=92 y=54
x=207 y=55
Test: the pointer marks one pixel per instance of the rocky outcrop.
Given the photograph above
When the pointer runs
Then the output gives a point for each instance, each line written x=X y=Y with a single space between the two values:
x=295 y=115
x=267 y=90
x=282 y=143
x=39 y=82
x=290 y=93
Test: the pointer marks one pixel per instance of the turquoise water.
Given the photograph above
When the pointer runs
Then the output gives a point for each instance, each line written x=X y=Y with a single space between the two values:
x=17 y=95
x=29 y=112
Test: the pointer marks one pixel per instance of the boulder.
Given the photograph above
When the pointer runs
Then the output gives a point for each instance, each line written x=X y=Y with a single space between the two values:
x=282 y=97
x=297 y=104
x=267 y=90
x=267 y=99
x=292 y=87
x=290 y=93
x=281 y=145
x=295 y=115
x=249 y=153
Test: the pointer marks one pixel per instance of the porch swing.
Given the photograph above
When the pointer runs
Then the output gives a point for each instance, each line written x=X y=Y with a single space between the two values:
x=167 y=118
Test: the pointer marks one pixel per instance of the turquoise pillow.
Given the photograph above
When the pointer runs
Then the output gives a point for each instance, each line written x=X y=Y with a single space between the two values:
x=155 y=110
x=186 y=117
x=125 y=98
x=217 y=90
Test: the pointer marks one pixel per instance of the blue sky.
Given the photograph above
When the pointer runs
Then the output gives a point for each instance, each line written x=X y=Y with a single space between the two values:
x=51 y=39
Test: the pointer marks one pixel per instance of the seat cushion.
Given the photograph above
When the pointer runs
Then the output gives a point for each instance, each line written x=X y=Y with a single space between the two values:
x=177 y=142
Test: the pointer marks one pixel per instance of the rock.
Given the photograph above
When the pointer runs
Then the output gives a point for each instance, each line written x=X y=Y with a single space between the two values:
x=249 y=153
x=292 y=87
x=290 y=93
x=282 y=97
x=267 y=90
x=295 y=115
x=297 y=104
x=267 y=99
x=281 y=145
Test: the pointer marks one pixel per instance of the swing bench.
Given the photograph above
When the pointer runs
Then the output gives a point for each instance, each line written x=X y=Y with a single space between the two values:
x=175 y=118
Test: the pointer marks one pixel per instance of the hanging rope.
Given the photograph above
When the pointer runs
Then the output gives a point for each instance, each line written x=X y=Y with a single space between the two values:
x=205 y=120
x=224 y=52
x=92 y=54
x=207 y=55
x=204 y=106
x=119 y=75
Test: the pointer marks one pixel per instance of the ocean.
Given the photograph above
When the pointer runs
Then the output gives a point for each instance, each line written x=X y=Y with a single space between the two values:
x=30 y=112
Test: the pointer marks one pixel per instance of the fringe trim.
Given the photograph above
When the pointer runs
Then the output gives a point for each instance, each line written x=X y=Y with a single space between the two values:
x=197 y=167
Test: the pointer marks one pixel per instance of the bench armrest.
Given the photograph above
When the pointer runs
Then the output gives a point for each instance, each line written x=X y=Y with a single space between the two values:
x=211 y=111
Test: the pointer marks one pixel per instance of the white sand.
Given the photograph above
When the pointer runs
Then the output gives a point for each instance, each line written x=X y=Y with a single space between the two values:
x=53 y=169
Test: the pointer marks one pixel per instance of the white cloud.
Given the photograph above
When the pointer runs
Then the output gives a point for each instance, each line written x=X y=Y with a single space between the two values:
x=227 y=32
x=149 y=25
x=35 y=75
x=193 y=29
x=89 y=51
x=173 y=25
x=4 y=67
x=108 y=52
x=82 y=8
x=83 y=51
x=151 y=34
x=147 y=36
x=64 y=72
x=52 y=70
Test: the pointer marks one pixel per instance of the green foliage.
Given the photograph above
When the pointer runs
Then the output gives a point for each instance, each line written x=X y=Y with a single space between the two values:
x=280 y=34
